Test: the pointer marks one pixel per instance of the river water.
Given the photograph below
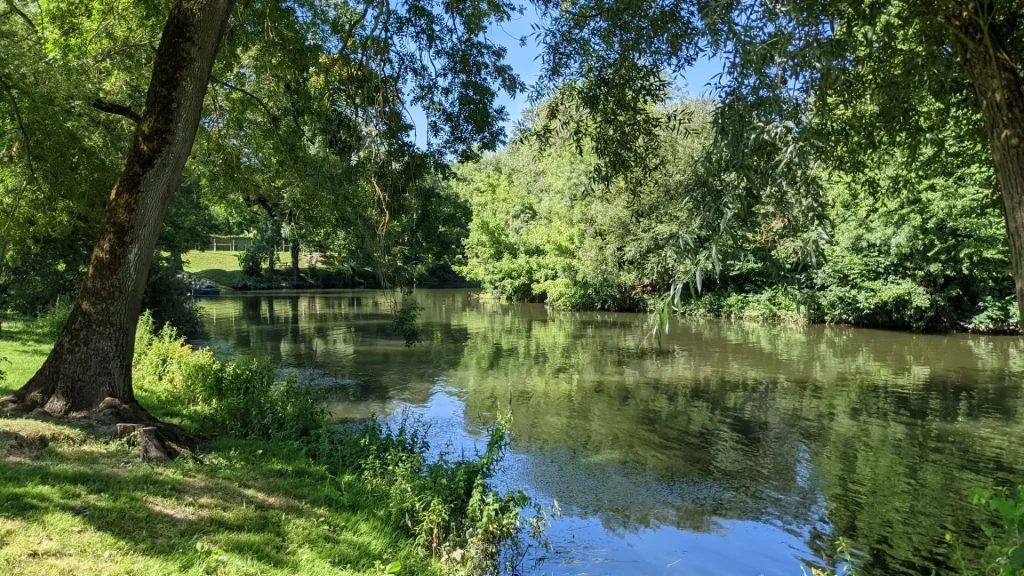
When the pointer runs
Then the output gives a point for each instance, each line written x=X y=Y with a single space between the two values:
x=725 y=448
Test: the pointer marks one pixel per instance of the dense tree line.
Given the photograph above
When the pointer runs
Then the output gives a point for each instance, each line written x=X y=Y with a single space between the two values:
x=909 y=238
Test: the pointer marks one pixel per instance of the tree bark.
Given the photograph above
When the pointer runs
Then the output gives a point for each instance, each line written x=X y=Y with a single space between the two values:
x=175 y=262
x=92 y=358
x=1000 y=94
x=295 y=260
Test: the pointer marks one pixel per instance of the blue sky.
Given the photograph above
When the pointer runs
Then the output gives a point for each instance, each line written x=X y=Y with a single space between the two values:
x=524 y=61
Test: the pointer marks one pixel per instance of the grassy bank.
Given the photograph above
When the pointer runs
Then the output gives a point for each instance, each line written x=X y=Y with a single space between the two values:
x=71 y=501
x=222 y=267
x=276 y=491
x=71 y=504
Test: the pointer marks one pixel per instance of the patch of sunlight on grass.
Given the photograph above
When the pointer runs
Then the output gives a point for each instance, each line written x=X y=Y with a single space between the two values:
x=25 y=350
x=74 y=504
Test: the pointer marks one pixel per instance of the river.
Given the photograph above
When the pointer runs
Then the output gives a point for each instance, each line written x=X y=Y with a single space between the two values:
x=725 y=448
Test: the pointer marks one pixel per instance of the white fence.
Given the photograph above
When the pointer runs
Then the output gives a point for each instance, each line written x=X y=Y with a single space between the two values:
x=237 y=244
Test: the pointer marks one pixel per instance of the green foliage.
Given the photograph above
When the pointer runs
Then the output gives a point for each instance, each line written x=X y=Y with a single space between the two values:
x=446 y=502
x=250 y=261
x=167 y=298
x=912 y=240
x=1006 y=548
x=778 y=303
x=242 y=399
x=262 y=250
x=50 y=322
x=917 y=245
x=541 y=232
x=403 y=321
x=188 y=226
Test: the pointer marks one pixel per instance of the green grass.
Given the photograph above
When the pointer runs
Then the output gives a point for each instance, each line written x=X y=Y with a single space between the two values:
x=75 y=504
x=222 y=268
x=70 y=504
x=25 y=348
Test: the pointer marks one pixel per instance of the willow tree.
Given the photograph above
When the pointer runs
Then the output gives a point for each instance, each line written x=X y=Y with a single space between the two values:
x=355 y=66
x=830 y=81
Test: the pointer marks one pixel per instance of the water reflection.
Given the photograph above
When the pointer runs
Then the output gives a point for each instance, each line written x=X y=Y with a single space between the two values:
x=726 y=448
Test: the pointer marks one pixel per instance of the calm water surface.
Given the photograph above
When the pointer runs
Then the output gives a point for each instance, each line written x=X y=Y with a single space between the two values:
x=729 y=448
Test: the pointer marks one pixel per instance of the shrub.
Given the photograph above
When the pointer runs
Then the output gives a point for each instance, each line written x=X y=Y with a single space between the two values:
x=51 y=321
x=995 y=315
x=168 y=300
x=241 y=399
x=251 y=260
x=775 y=304
x=446 y=503
x=901 y=305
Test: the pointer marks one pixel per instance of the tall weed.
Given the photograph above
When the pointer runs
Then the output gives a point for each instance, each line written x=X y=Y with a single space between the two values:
x=241 y=399
x=446 y=503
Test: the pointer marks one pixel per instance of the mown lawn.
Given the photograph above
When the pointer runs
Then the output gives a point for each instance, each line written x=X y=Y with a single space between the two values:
x=71 y=503
x=222 y=267
x=22 y=351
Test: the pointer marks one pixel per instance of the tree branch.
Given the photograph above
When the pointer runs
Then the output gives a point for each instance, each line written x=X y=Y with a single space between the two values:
x=117 y=109
x=270 y=113
x=13 y=8
x=21 y=126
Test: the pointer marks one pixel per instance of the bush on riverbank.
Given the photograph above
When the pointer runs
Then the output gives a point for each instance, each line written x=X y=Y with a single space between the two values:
x=279 y=491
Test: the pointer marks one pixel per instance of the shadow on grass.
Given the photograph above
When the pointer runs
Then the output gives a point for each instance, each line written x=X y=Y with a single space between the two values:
x=26 y=332
x=222 y=278
x=251 y=505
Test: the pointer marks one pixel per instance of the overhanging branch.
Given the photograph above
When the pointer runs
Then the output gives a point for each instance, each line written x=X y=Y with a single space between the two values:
x=12 y=8
x=270 y=113
x=117 y=109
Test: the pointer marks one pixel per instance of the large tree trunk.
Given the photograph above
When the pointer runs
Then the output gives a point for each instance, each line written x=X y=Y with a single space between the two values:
x=998 y=88
x=92 y=358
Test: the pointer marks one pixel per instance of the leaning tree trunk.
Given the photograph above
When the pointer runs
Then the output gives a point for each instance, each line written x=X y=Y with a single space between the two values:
x=998 y=88
x=92 y=358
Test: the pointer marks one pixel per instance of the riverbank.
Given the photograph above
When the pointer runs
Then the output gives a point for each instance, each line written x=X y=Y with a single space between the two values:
x=69 y=499
x=276 y=491
x=222 y=268
x=898 y=312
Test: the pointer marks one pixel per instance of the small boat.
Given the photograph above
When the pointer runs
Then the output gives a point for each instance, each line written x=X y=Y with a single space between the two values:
x=205 y=290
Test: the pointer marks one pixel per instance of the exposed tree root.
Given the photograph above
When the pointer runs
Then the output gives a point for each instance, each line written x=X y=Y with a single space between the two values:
x=158 y=441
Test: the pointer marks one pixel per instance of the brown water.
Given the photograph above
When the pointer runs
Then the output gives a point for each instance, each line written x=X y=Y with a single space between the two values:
x=728 y=448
